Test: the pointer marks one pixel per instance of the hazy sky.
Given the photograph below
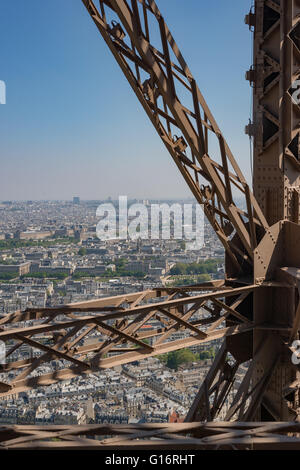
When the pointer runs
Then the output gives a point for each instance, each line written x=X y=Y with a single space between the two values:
x=73 y=126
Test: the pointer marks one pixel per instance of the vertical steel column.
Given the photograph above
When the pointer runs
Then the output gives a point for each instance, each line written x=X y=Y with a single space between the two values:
x=276 y=168
x=276 y=116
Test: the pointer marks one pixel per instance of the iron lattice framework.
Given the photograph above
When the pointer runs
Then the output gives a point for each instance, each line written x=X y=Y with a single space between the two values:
x=103 y=333
x=185 y=436
x=168 y=92
x=256 y=309
x=276 y=67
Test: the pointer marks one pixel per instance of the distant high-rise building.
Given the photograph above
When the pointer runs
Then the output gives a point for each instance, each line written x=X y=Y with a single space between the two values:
x=76 y=200
x=17 y=234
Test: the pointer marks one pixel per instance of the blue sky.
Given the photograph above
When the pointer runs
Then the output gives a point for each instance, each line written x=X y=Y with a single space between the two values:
x=73 y=126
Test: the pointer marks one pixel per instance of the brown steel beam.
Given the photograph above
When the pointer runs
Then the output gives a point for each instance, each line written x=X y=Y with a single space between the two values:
x=107 y=332
x=184 y=436
x=163 y=82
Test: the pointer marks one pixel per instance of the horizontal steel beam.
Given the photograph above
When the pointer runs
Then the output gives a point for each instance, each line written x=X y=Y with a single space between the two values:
x=89 y=336
x=179 y=436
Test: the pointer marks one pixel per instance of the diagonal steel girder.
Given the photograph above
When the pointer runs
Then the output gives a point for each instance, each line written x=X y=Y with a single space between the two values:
x=172 y=100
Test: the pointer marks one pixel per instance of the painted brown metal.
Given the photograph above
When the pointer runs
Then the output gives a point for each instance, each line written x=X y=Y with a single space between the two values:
x=276 y=115
x=169 y=94
x=178 y=436
x=107 y=332
x=276 y=175
x=253 y=247
x=276 y=185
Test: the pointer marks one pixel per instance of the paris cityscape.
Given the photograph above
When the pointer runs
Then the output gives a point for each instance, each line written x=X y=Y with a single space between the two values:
x=50 y=255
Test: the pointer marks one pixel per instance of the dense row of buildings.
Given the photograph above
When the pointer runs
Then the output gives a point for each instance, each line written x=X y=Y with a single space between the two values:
x=50 y=255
